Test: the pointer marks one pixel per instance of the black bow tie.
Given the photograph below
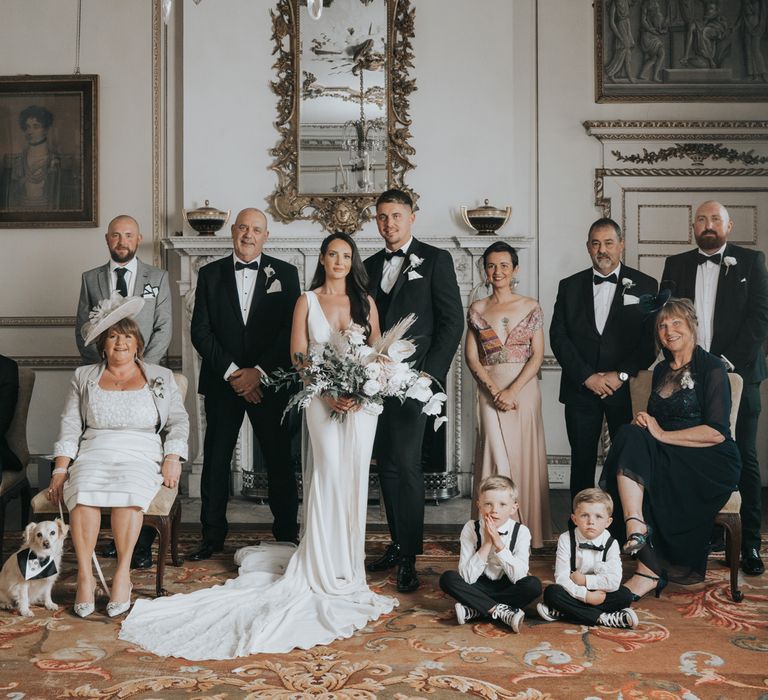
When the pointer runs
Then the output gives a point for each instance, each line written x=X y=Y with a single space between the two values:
x=246 y=266
x=397 y=254
x=503 y=533
x=589 y=545
x=701 y=258
x=597 y=279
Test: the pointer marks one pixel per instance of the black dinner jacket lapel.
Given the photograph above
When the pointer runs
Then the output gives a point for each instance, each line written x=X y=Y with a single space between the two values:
x=618 y=298
x=686 y=285
x=259 y=289
x=403 y=276
x=727 y=293
x=375 y=270
x=587 y=289
x=229 y=283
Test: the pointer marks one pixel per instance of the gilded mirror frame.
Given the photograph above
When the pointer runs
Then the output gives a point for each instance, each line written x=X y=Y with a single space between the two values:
x=338 y=212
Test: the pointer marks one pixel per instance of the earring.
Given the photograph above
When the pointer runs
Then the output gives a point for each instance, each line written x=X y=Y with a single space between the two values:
x=513 y=284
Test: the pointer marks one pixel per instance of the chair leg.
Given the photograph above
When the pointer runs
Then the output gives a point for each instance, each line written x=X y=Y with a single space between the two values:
x=175 y=523
x=733 y=548
x=163 y=528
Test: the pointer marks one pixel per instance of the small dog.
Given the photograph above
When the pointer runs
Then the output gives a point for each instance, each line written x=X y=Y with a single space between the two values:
x=29 y=574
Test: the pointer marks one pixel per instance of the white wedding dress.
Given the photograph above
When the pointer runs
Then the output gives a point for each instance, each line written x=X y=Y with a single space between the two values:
x=286 y=597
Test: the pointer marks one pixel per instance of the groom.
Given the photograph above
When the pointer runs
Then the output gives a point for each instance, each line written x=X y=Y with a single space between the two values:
x=409 y=276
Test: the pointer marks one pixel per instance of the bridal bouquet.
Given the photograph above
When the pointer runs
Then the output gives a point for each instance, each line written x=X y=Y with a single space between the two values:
x=347 y=367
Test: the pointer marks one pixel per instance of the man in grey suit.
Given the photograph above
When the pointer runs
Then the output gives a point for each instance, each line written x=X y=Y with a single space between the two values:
x=126 y=274
x=131 y=277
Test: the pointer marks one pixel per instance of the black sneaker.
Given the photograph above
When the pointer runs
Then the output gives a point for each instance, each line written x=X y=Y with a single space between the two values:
x=548 y=614
x=512 y=617
x=623 y=619
x=464 y=614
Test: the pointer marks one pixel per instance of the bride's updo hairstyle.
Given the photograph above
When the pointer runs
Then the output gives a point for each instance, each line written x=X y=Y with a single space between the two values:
x=357 y=281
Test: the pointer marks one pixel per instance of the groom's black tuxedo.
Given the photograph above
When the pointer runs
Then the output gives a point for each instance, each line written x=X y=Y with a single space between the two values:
x=429 y=290
x=625 y=345
x=739 y=329
x=222 y=338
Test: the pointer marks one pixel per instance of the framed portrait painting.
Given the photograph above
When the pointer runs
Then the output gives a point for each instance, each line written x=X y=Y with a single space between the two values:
x=681 y=50
x=48 y=151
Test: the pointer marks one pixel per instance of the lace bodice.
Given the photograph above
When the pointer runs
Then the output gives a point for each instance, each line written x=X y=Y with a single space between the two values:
x=516 y=348
x=127 y=410
x=674 y=402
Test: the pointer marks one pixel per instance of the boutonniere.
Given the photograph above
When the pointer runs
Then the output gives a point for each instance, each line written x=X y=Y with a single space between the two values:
x=627 y=284
x=729 y=261
x=413 y=262
x=272 y=284
x=686 y=381
x=150 y=291
x=157 y=387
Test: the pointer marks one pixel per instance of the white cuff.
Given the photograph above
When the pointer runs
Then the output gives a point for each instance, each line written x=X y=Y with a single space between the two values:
x=175 y=447
x=65 y=449
x=232 y=368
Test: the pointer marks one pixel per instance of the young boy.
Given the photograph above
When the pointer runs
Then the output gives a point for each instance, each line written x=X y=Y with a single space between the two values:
x=587 y=588
x=492 y=580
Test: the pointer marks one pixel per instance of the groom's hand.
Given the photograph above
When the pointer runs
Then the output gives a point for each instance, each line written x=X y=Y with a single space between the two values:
x=246 y=382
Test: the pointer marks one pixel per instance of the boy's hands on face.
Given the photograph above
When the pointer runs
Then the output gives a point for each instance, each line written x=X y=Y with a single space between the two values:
x=492 y=533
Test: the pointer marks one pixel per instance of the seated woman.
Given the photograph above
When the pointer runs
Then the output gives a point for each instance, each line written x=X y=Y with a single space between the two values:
x=674 y=467
x=111 y=452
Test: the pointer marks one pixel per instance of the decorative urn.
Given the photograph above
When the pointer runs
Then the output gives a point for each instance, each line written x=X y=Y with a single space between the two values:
x=206 y=220
x=486 y=220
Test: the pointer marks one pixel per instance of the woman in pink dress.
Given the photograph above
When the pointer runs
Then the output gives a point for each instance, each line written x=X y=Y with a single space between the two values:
x=504 y=350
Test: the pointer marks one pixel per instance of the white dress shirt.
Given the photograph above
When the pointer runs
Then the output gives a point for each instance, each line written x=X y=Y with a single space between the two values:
x=707 y=275
x=392 y=268
x=603 y=297
x=246 y=283
x=130 y=276
x=512 y=564
x=601 y=575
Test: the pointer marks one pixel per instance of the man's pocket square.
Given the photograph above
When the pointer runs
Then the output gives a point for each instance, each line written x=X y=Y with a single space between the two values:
x=630 y=299
x=150 y=291
x=413 y=275
x=275 y=287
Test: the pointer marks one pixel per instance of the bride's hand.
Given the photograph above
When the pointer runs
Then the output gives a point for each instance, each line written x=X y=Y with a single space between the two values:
x=341 y=404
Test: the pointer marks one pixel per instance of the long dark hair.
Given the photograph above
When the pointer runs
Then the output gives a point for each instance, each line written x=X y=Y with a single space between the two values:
x=357 y=281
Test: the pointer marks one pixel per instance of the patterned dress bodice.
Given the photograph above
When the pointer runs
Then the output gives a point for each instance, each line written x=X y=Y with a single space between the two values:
x=516 y=348
x=674 y=406
x=122 y=410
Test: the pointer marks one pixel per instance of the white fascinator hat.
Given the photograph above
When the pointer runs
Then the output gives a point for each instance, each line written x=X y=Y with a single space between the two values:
x=107 y=313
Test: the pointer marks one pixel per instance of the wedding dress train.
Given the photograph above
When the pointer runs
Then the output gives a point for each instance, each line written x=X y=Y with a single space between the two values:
x=284 y=596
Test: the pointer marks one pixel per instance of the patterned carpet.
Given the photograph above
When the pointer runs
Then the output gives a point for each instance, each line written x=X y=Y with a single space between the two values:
x=692 y=643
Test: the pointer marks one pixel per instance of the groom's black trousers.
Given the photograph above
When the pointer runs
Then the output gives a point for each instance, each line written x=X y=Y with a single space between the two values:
x=399 y=438
x=224 y=411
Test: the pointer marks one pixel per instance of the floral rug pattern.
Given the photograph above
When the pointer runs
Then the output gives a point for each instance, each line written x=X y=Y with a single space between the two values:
x=691 y=643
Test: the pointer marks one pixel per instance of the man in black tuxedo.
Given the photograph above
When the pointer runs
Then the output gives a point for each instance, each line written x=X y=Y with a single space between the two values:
x=729 y=286
x=241 y=326
x=601 y=338
x=9 y=394
x=410 y=276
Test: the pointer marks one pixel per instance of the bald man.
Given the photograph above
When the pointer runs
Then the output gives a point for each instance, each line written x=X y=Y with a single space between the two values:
x=127 y=274
x=241 y=326
x=729 y=286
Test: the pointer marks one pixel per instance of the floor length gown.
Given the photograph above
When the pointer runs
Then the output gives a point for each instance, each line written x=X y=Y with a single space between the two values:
x=286 y=597
x=511 y=443
x=684 y=487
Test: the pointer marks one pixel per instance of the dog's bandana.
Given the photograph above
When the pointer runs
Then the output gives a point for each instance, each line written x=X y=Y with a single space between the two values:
x=32 y=567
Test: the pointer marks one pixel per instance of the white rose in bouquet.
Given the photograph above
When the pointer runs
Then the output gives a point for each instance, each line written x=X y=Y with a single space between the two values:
x=355 y=334
x=373 y=370
x=371 y=387
x=420 y=390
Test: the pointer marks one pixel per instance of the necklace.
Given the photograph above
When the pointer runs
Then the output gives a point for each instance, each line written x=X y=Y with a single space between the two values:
x=118 y=382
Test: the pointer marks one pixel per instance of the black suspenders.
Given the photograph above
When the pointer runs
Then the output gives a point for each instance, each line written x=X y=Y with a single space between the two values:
x=512 y=540
x=572 y=533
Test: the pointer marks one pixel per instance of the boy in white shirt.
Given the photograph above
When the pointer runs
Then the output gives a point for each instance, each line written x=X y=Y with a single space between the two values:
x=492 y=580
x=587 y=588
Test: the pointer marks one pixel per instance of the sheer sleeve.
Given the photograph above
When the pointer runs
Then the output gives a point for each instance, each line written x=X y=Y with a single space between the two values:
x=716 y=406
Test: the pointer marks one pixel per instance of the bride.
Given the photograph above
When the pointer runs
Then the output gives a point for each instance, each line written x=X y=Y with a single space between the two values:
x=286 y=597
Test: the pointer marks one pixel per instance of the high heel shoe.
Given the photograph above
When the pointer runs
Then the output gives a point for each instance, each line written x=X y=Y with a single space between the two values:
x=116 y=609
x=661 y=584
x=85 y=609
x=637 y=540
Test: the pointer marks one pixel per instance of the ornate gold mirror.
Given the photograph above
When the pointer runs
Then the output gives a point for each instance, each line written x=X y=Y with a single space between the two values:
x=343 y=100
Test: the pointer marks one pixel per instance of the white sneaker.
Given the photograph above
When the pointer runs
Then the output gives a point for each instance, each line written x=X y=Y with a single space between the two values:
x=548 y=614
x=465 y=614
x=622 y=619
x=512 y=617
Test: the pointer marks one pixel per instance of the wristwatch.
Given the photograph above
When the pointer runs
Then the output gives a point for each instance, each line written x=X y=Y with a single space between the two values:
x=623 y=376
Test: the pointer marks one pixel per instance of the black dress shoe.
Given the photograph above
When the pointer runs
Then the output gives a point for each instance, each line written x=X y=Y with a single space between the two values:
x=407 y=580
x=204 y=551
x=141 y=559
x=109 y=550
x=387 y=560
x=751 y=563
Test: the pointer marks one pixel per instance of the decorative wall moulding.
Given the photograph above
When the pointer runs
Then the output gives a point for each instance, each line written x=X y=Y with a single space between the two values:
x=680 y=50
x=49 y=150
x=37 y=321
